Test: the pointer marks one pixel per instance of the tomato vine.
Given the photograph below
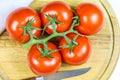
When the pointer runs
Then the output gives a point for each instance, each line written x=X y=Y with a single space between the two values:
x=45 y=52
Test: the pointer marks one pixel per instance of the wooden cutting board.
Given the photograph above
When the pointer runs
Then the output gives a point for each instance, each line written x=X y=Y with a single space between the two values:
x=105 y=49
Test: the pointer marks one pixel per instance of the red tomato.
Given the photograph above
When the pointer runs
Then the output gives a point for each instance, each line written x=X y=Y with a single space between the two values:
x=63 y=14
x=91 y=18
x=18 y=18
x=80 y=53
x=44 y=65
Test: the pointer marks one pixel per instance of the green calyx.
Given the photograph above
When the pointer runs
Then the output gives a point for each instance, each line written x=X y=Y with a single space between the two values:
x=45 y=51
x=70 y=43
x=53 y=22
x=28 y=29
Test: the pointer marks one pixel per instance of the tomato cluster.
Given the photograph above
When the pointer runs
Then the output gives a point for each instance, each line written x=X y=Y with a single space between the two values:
x=56 y=19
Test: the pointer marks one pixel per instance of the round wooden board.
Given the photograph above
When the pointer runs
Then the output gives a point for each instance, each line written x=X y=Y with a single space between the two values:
x=105 y=49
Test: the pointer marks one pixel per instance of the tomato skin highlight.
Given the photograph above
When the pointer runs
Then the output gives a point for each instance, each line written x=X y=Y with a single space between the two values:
x=80 y=52
x=91 y=18
x=63 y=14
x=43 y=65
x=20 y=17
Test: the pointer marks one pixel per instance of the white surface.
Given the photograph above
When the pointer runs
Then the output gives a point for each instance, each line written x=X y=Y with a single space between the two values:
x=116 y=6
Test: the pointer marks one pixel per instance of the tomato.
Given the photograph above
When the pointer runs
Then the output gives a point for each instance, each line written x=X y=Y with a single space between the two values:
x=63 y=14
x=20 y=17
x=44 y=65
x=91 y=18
x=80 y=53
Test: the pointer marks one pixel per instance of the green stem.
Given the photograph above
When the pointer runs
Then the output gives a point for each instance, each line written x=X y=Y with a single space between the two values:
x=44 y=41
x=55 y=34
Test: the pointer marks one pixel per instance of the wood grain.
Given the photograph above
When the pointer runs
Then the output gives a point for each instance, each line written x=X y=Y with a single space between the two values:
x=105 y=49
